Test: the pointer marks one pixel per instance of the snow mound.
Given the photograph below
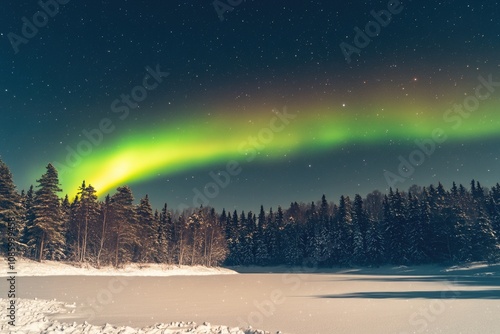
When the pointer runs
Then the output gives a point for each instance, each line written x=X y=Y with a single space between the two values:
x=26 y=267
x=33 y=316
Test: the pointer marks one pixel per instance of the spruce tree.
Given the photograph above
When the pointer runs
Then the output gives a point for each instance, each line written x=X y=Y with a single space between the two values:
x=484 y=242
x=48 y=230
x=418 y=222
x=360 y=229
x=103 y=231
x=344 y=239
x=292 y=247
x=29 y=220
x=148 y=232
x=261 y=254
x=123 y=226
x=163 y=253
x=87 y=217
x=11 y=220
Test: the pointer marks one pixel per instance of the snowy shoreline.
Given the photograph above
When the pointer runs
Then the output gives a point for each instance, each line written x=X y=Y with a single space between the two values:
x=26 y=267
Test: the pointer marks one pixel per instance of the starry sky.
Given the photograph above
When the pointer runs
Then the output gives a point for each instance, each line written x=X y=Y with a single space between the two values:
x=241 y=103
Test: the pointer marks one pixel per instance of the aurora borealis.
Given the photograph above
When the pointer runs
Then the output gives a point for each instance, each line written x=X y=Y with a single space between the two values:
x=231 y=85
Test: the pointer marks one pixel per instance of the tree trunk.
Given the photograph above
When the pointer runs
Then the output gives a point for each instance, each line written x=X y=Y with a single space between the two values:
x=194 y=248
x=40 y=252
x=116 y=250
x=101 y=244
x=84 y=241
x=78 y=241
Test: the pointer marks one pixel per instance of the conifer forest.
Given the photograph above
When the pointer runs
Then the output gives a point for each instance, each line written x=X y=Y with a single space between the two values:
x=421 y=225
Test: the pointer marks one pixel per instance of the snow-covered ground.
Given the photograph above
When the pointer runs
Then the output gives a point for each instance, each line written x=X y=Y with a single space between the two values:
x=25 y=267
x=36 y=316
x=425 y=299
x=33 y=318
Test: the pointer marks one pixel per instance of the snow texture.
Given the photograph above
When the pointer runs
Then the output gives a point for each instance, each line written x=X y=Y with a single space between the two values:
x=25 y=267
x=33 y=317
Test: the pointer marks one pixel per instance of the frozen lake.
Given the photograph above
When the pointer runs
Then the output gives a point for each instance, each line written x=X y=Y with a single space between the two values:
x=385 y=300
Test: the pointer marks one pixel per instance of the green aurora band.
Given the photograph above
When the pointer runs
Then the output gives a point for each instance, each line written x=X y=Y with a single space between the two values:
x=194 y=143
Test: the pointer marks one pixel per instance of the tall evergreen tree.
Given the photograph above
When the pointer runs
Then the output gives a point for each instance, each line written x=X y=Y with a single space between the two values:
x=360 y=222
x=148 y=233
x=103 y=232
x=396 y=221
x=418 y=226
x=164 y=235
x=29 y=220
x=124 y=228
x=261 y=254
x=11 y=220
x=483 y=238
x=344 y=239
x=48 y=228
x=86 y=216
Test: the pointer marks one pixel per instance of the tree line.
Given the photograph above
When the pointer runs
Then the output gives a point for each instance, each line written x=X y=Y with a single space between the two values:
x=422 y=225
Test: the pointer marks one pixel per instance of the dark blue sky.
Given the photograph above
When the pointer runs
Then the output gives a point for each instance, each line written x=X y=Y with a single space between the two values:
x=263 y=55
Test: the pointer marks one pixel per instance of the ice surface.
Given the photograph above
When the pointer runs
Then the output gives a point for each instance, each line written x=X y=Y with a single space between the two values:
x=425 y=299
x=33 y=318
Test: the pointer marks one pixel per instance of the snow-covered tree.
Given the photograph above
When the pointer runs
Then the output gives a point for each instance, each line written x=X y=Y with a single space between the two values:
x=11 y=214
x=344 y=238
x=261 y=254
x=123 y=225
x=48 y=230
x=145 y=251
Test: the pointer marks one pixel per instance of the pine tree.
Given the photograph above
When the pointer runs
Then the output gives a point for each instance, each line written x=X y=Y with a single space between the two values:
x=164 y=237
x=261 y=254
x=48 y=228
x=395 y=234
x=148 y=233
x=292 y=248
x=66 y=214
x=344 y=240
x=11 y=220
x=29 y=220
x=215 y=247
x=246 y=241
x=310 y=233
x=103 y=231
x=86 y=216
x=276 y=241
x=360 y=224
x=180 y=247
x=493 y=210
x=123 y=225
x=233 y=240
x=483 y=238
x=195 y=223
x=374 y=243
x=418 y=225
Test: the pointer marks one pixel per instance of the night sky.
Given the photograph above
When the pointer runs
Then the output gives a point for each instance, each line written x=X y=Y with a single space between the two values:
x=267 y=103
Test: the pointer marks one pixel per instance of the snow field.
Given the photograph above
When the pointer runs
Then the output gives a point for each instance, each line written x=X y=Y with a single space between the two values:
x=33 y=317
